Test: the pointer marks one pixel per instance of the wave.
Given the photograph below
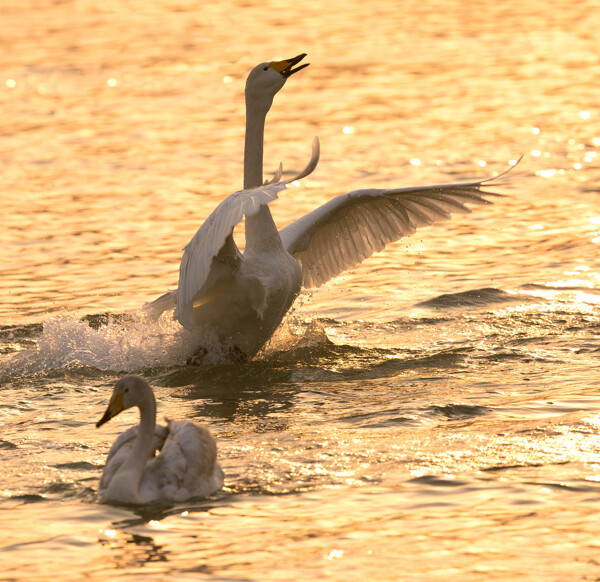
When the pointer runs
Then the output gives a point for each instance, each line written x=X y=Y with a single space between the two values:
x=457 y=411
x=443 y=338
x=476 y=298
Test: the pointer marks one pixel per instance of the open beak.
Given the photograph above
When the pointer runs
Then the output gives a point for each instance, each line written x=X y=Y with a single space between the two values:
x=286 y=67
x=114 y=407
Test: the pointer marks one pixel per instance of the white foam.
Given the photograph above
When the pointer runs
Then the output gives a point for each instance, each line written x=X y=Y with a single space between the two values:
x=129 y=342
x=136 y=341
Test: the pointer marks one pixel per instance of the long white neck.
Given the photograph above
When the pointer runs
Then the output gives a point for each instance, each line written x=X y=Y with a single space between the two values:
x=254 y=142
x=261 y=231
x=125 y=485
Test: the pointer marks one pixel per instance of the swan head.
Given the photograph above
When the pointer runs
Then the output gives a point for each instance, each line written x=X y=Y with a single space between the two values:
x=129 y=391
x=266 y=79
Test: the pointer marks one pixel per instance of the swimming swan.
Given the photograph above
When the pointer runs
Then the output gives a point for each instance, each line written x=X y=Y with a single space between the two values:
x=150 y=462
x=244 y=297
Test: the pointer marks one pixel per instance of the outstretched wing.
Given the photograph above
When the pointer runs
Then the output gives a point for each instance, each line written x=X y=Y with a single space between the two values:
x=350 y=228
x=212 y=255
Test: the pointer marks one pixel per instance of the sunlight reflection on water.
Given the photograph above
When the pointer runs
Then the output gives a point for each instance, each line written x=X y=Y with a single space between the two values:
x=431 y=413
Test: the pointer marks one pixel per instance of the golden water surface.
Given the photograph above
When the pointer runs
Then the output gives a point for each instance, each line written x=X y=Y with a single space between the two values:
x=430 y=415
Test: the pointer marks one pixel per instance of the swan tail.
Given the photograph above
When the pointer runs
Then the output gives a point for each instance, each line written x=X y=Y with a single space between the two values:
x=156 y=308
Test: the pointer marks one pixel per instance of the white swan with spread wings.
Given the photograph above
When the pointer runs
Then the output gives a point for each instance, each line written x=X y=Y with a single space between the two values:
x=243 y=298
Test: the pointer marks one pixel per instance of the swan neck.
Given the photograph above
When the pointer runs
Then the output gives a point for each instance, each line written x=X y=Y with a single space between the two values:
x=253 y=145
x=260 y=229
x=147 y=422
x=142 y=448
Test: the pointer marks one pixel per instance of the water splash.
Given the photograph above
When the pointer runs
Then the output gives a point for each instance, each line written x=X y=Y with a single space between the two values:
x=294 y=333
x=135 y=341
x=128 y=342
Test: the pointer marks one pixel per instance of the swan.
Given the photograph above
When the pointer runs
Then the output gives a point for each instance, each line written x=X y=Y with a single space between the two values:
x=149 y=462
x=243 y=298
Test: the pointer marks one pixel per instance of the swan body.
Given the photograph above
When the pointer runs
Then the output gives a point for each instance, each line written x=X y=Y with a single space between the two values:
x=150 y=463
x=244 y=297
x=241 y=297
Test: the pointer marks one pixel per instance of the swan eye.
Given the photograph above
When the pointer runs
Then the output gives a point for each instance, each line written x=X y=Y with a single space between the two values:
x=266 y=69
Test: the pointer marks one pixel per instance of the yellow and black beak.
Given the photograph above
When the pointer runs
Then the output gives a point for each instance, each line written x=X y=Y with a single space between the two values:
x=114 y=407
x=286 y=67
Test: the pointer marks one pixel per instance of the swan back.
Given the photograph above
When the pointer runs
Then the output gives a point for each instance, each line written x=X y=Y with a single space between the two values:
x=186 y=466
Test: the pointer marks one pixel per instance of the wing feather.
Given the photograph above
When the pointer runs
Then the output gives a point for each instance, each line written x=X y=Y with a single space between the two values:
x=351 y=227
x=186 y=466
